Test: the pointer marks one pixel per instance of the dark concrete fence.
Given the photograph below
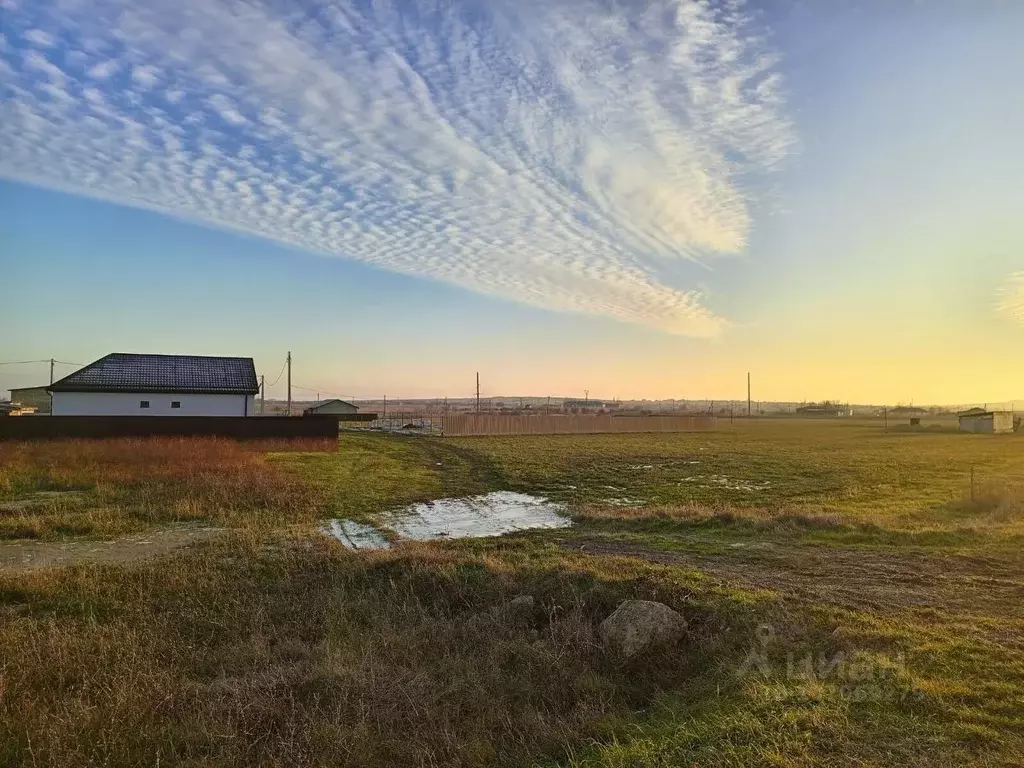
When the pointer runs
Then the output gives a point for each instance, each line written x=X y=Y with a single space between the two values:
x=343 y=417
x=498 y=424
x=242 y=428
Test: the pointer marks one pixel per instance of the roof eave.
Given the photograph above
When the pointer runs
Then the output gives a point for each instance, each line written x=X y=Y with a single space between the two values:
x=154 y=390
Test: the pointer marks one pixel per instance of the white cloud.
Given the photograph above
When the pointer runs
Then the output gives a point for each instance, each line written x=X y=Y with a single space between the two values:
x=36 y=61
x=104 y=69
x=40 y=38
x=1011 y=298
x=145 y=76
x=554 y=154
x=224 y=107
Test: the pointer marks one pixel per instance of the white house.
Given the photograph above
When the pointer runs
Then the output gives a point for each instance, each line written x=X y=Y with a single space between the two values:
x=158 y=385
x=986 y=422
x=332 y=407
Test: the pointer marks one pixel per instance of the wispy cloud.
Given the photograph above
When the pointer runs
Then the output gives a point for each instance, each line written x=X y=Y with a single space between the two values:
x=1011 y=298
x=551 y=153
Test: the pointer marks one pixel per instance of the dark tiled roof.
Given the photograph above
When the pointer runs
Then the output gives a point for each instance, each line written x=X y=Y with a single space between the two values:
x=120 y=372
x=974 y=412
x=324 y=403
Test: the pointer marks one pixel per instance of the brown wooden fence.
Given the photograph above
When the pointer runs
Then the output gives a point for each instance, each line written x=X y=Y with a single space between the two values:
x=496 y=424
x=240 y=427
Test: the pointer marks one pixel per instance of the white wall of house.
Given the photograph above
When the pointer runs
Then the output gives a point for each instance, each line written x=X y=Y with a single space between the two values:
x=129 y=404
x=1002 y=422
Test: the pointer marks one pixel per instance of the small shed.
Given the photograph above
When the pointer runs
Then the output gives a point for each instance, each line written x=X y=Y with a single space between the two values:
x=980 y=421
x=332 y=407
x=911 y=411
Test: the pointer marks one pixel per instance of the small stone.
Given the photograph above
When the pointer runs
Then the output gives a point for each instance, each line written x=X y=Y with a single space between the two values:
x=521 y=603
x=518 y=610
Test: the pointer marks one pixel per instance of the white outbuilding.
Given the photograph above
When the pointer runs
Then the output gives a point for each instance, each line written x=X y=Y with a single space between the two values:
x=981 y=421
x=158 y=385
x=333 y=407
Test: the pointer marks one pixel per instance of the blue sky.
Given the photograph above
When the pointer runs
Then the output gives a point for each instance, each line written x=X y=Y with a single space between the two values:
x=635 y=198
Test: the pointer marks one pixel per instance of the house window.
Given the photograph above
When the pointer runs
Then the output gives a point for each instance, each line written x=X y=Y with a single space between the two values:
x=143 y=403
x=175 y=403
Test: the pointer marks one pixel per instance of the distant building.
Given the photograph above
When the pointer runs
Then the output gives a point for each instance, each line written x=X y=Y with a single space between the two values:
x=332 y=407
x=158 y=385
x=824 y=409
x=973 y=412
x=912 y=411
x=31 y=397
x=582 y=404
x=980 y=421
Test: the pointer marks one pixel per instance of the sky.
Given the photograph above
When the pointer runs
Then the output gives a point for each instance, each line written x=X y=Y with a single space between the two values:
x=635 y=198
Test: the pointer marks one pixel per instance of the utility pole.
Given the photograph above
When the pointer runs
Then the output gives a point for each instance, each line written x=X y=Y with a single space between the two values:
x=748 y=394
x=385 y=407
x=263 y=392
x=289 y=383
x=52 y=361
x=478 y=391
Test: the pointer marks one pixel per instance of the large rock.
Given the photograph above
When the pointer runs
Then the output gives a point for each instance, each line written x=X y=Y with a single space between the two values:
x=640 y=625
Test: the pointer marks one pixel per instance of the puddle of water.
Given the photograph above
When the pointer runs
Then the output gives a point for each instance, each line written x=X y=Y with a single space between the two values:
x=493 y=514
x=356 y=535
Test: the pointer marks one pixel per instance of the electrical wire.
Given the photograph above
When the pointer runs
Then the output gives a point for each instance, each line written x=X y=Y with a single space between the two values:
x=279 y=375
x=27 y=362
x=321 y=391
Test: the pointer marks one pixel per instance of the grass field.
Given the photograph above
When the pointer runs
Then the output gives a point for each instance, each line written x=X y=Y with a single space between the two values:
x=849 y=603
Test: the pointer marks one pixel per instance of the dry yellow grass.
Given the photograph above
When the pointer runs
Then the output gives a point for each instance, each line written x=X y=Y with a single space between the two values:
x=105 y=487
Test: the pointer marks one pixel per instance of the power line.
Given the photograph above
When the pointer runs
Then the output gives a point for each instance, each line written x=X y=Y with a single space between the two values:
x=281 y=373
x=27 y=362
x=321 y=391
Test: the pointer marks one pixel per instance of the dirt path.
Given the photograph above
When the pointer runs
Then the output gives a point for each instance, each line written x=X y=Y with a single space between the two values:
x=860 y=579
x=25 y=555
